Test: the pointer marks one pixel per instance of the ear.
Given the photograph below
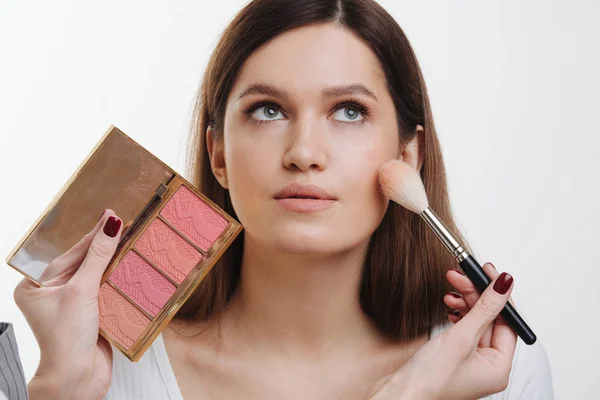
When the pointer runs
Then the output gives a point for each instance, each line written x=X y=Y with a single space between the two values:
x=413 y=153
x=216 y=153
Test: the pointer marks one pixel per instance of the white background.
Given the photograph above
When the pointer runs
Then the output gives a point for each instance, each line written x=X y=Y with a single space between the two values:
x=514 y=86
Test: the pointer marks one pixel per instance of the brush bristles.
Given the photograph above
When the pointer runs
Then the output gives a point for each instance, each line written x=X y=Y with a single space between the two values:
x=401 y=183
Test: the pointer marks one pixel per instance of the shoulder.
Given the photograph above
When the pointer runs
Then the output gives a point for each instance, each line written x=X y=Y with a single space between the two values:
x=530 y=377
x=147 y=378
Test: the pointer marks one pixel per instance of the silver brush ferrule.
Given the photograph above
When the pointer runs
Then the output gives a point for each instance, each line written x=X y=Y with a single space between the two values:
x=443 y=233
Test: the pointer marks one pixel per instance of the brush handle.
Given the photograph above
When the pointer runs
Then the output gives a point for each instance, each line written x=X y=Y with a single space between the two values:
x=481 y=281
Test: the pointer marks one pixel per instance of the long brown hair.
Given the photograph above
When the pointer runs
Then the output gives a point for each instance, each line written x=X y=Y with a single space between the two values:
x=403 y=282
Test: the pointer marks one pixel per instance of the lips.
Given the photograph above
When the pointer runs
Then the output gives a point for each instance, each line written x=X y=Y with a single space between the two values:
x=304 y=198
x=298 y=191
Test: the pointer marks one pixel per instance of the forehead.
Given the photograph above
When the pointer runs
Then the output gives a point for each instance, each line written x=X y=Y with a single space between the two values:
x=312 y=57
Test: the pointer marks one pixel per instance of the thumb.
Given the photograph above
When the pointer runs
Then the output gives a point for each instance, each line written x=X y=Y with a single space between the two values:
x=99 y=254
x=487 y=308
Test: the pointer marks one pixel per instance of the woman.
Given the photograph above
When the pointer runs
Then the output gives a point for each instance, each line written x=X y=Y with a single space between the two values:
x=338 y=298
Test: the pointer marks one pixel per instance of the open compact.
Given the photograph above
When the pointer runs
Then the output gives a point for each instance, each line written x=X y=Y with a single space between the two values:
x=172 y=237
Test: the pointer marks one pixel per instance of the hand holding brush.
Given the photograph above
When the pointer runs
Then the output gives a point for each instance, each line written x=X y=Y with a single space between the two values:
x=402 y=184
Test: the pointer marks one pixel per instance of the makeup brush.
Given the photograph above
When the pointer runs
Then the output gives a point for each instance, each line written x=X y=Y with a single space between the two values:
x=402 y=184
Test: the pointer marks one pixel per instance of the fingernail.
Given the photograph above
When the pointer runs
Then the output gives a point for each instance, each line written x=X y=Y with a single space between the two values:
x=459 y=271
x=503 y=283
x=455 y=295
x=112 y=225
x=455 y=312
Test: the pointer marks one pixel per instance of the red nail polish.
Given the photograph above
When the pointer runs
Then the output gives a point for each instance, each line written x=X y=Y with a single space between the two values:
x=112 y=225
x=503 y=283
x=455 y=295
x=459 y=271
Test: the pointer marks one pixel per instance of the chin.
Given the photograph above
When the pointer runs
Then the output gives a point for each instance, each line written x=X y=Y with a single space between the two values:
x=310 y=241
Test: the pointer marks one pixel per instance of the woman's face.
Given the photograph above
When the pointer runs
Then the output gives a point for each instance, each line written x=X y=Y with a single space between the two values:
x=310 y=108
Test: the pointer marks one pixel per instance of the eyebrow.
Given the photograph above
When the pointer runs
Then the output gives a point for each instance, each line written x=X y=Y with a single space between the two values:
x=329 y=91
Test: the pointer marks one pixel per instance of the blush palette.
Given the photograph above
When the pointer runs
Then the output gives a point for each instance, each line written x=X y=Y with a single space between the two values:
x=176 y=241
x=172 y=237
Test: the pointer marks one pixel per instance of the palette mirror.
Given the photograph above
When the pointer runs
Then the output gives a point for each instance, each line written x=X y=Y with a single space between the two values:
x=118 y=174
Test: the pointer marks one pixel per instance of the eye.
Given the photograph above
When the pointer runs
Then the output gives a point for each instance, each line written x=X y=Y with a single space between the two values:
x=349 y=113
x=352 y=111
x=265 y=112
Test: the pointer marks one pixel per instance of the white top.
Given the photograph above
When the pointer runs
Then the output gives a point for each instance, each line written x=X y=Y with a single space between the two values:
x=153 y=378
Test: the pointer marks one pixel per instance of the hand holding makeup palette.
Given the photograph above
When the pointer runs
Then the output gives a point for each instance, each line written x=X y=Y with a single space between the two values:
x=172 y=237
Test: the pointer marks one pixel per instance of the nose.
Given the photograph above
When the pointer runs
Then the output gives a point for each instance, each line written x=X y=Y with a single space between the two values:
x=308 y=145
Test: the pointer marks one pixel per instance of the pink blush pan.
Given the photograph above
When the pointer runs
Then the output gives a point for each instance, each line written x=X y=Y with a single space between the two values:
x=191 y=216
x=168 y=251
x=144 y=284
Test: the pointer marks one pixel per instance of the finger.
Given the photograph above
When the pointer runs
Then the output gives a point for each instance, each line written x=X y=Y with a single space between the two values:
x=486 y=338
x=493 y=273
x=456 y=301
x=99 y=254
x=24 y=290
x=62 y=267
x=454 y=316
x=504 y=338
x=463 y=284
x=487 y=308
x=105 y=347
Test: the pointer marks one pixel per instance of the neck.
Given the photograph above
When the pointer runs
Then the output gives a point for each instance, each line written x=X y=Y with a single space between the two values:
x=300 y=304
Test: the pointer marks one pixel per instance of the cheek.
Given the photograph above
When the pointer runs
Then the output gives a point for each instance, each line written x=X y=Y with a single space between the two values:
x=249 y=170
x=361 y=165
x=364 y=190
x=245 y=164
